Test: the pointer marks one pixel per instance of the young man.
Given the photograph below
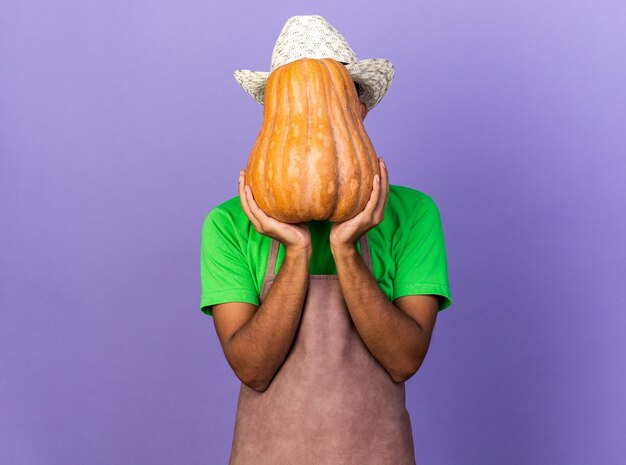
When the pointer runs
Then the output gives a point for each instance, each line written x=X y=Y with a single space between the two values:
x=324 y=345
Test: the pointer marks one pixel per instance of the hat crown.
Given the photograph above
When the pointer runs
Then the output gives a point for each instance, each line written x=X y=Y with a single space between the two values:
x=313 y=37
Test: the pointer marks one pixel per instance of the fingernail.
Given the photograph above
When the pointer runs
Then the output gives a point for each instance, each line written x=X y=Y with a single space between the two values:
x=377 y=178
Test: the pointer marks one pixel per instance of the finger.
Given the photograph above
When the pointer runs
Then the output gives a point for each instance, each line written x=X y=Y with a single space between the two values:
x=245 y=201
x=368 y=209
x=375 y=196
x=266 y=222
x=384 y=174
x=242 y=193
x=384 y=191
x=260 y=215
x=385 y=177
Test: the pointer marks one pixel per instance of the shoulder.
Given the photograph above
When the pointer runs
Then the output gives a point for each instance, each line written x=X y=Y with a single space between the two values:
x=405 y=193
x=230 y=208
x=227 y=216
x=406 y=202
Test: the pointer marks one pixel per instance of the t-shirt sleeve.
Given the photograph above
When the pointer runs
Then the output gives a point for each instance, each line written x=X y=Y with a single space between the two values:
x=420 y=255
x=224 y=270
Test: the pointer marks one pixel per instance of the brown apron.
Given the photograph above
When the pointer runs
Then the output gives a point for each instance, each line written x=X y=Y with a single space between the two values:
x=331 y=402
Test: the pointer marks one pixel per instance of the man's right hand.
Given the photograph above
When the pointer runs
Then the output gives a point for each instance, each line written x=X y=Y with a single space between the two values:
x=295 y=237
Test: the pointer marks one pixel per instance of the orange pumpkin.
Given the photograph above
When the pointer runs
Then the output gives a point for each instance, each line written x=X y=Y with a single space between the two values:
x=312 y=159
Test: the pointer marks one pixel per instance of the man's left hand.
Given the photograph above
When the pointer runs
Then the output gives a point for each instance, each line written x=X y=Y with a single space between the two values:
x=347 y=233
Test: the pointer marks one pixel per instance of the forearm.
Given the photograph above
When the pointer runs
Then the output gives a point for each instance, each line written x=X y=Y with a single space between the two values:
x=263 y=342
x=393 y=337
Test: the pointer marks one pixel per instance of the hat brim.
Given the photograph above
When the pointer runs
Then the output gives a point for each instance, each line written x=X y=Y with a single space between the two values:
x=374 y=75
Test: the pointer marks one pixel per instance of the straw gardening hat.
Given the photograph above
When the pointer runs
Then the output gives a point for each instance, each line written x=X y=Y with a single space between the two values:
x=313 y=37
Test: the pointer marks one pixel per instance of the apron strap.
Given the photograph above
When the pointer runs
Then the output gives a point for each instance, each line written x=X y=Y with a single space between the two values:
x=271 y=263
x=365 y=251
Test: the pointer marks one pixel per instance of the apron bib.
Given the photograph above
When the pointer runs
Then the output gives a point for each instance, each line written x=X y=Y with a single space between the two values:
x=331 y=402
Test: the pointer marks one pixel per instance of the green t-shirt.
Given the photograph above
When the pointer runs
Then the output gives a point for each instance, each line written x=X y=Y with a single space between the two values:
x=407 y=251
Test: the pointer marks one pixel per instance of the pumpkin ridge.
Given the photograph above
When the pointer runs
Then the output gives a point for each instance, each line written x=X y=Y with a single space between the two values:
x=319 y=168
x=368 y=159
x=279 y=162
x=363 y=153
x=290 y=147
x=341 y=138
x=327 y=96
x=368 y=155
x=346 y=138
x=256 y=171
x=358 y=153
x=282 y=162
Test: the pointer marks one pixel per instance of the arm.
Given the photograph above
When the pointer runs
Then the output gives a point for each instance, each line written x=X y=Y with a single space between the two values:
x=397 y=334
x=256 y=340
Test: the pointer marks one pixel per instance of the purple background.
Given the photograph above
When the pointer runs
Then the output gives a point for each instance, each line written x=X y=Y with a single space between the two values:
x=121 y=126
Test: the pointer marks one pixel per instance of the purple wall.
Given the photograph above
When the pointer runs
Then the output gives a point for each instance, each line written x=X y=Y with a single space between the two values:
x=121 y=126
